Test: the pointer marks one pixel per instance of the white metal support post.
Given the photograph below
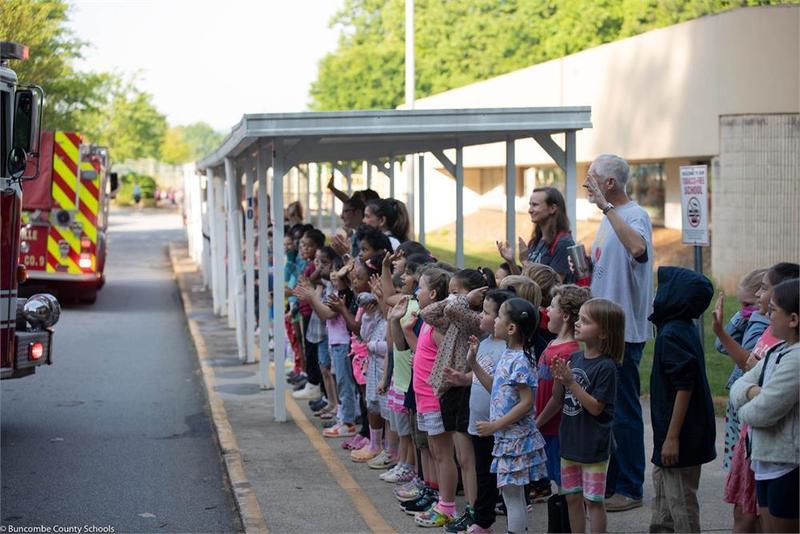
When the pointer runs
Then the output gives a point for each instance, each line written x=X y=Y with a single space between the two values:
x=421 y=195
x=222 y=244
x=250 y=276
x=390 y=168
x=369 y=174
x=235 y=254
x=263 y=269
x=511 y=195
x=307 y=206
x=229 y=288
x=332 y=218
x=318 y=170
x=410 y=97
x=348 y=175
x=459 y=206
x=278 y=259
x=211 y=213
x=572 y=181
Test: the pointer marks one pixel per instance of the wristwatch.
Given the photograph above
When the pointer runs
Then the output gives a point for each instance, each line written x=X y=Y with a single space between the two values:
x=609 y=207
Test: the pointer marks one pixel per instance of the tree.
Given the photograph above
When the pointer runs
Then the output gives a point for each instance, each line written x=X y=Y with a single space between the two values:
x=201 y=138
x=135 y=128
x=106 y=108
x=175 y=149
x=457 y=43
x=40 y=25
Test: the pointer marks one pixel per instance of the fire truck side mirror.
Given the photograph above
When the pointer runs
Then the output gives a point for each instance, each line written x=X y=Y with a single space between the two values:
x=26 y=120
x=27 y=123
x=113 y=178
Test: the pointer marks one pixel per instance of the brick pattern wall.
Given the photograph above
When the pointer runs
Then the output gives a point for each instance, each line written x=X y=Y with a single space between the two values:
x=756 y=195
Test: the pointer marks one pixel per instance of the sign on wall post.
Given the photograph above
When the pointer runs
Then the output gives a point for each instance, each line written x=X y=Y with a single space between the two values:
x=694 y=205
x=694 y=216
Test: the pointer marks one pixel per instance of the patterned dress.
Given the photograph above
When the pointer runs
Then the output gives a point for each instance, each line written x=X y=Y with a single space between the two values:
x=519 y=455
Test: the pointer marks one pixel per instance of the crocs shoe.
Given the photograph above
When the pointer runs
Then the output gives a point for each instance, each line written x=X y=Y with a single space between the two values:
x=348 y=444
x=460 y=524
x=423 y=504
x=433 y=518
x=390 y=472
x=339 y=430
x=398 y=474
x=409 y=490
x=364 y=454
x=381 y=461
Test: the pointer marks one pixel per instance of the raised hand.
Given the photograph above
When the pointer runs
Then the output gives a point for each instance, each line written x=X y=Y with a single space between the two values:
x=522 y=248
x=505 y=250
x=472 y=353
x=717 y=316
x=335 y=303
x=398 y=310
x=562 y=371
x=476 y=296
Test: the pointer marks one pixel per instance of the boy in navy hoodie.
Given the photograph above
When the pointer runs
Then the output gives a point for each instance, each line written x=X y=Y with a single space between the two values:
x=680 y=400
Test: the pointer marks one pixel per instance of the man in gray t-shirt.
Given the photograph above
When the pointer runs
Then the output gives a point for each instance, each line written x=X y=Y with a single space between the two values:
x=622 y=256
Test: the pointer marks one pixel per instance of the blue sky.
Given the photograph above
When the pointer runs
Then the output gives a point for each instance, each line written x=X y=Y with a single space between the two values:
x=210 y=60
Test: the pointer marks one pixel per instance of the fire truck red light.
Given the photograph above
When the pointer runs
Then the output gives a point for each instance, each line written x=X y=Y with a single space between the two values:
x=36 y=350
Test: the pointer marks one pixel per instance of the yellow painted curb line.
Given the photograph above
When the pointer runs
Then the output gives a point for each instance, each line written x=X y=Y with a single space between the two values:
x=363 y=504
x=244 y=496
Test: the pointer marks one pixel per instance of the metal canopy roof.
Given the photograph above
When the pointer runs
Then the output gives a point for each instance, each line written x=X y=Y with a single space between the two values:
x=357 y=135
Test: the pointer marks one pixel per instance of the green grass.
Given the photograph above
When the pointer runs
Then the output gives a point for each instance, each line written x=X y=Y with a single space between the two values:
x=718 y=366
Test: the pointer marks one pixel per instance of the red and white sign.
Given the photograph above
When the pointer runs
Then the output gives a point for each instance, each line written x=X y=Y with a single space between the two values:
x=694 y=205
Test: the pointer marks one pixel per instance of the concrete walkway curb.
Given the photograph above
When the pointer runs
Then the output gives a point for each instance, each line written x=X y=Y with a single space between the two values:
x=244 y=496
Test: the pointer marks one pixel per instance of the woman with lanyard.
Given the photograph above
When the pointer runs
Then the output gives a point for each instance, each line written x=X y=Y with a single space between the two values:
x=551 y=235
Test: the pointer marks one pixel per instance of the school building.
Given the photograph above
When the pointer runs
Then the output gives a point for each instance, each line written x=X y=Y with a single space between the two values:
x=722 y=90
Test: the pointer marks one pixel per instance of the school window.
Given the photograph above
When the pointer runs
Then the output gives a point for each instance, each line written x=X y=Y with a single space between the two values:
x=646 y=186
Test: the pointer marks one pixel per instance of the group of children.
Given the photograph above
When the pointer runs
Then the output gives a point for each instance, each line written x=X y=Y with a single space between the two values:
x=762 y=434
x=506 y=384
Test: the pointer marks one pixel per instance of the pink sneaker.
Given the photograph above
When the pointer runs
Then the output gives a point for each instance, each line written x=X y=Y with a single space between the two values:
x=475 y=528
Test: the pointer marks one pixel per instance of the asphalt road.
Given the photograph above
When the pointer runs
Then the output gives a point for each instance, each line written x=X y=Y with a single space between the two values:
x=115 y=434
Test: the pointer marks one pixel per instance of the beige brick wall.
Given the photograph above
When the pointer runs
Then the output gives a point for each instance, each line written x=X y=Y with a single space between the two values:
x=756 y=194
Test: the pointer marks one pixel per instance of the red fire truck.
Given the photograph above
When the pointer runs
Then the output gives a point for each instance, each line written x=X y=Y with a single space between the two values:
x=26 y=326
x=65 y=218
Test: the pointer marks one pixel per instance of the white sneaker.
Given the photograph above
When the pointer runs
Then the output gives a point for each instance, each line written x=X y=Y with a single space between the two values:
x=382 y=461
x=396 y=475
x=309 y=392
x=390 y=472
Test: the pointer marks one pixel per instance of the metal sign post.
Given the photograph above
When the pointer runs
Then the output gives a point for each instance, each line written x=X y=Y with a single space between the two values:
x=694 y=216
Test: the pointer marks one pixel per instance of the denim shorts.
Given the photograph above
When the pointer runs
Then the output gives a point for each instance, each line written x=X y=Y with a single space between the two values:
x=400 y=423
x=324 y=354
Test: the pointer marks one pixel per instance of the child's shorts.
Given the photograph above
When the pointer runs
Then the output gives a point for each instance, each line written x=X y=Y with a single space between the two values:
x=400 y=423
x=324 y=354
x=383 y=402
x=589 y=479
x=430 y=422
x=374 y=407
x=779 y=495
x=454 y=404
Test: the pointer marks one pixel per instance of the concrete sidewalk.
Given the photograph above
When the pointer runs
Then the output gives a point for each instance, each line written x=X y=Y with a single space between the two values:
x=287 y=478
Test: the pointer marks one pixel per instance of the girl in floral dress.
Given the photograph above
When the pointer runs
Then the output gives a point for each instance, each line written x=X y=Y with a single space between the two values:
x=519 y=456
